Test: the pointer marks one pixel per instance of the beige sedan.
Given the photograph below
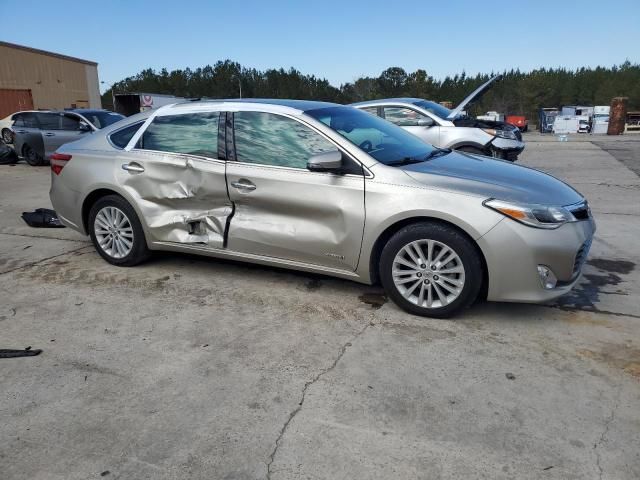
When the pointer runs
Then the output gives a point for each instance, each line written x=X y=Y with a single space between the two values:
x=323 y=188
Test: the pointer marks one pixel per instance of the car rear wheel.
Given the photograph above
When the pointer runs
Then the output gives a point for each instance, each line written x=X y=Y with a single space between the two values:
x=116 y=232
x=431 y=269
x=7 y=136
x=31 y=156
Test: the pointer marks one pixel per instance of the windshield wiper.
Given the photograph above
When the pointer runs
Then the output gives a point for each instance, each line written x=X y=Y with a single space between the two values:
x=405 y=161
x=437 y=152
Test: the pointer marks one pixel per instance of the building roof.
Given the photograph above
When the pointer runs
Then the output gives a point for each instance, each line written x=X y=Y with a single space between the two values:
x=44 y=52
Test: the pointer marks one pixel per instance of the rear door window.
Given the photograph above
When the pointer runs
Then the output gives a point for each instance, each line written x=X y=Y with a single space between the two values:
x=191 y=133
x=49 y=121
x=371 y=110
x=120 y=138
x=69 y=122
x=403 y=117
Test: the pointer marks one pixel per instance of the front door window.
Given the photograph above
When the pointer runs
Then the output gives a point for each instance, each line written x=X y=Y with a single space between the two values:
x=270 y=139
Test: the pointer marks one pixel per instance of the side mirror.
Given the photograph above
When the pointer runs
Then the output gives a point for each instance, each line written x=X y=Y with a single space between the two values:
x=425 y=122
x=84 y=127
x=325 y=162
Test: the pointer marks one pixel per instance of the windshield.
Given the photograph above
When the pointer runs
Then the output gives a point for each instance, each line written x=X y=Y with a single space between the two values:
x=435 y=108
x=102 y=119
x=383 y=140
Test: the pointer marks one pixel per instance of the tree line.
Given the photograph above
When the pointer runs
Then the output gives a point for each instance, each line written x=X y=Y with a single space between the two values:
x=518 y=92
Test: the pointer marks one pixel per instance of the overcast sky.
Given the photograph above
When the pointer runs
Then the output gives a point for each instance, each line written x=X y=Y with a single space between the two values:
x=338 y=40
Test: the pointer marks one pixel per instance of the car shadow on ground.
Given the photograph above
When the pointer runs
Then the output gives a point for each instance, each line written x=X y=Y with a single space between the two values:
x=600 y=278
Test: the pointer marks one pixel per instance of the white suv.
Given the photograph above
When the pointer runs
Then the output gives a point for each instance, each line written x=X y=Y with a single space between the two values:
x=446 y=128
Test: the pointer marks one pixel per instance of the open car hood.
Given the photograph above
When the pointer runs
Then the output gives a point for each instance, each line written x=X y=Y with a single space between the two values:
x=475 y=95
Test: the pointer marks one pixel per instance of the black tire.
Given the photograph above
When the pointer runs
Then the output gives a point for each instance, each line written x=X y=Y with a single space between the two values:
x=474 y=150
x=455 y=240
x=139 y=251
x=31 y=156
x=7 y=136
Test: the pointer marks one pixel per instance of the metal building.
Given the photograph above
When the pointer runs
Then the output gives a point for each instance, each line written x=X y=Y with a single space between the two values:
x=33 y=79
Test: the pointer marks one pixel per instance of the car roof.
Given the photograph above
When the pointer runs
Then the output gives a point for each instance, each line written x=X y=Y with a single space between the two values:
x=88 y=110
x=379 y=101
x=297 y=105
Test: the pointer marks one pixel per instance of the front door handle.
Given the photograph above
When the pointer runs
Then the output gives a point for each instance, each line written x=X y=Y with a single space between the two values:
x=49 y=134
x=133 y=167
x=243 y=184
x=21 y=131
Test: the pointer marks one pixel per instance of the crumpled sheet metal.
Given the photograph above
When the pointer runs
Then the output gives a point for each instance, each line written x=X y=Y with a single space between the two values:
x=175 y=192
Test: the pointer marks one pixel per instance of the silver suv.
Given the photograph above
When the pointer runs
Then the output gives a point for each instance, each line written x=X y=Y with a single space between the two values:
x=323 y=188
x=37 y=134
x=446 y=128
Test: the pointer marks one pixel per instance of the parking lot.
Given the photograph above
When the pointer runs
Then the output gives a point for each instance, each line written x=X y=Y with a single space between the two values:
x=189 y=367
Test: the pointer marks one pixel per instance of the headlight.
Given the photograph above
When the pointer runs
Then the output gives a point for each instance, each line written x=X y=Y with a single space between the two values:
x=538 y=216
x=508 y=134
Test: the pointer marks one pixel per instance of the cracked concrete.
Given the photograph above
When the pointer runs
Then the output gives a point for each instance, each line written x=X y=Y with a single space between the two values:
x=193 y=368
x=342 y=351
x=602 y=439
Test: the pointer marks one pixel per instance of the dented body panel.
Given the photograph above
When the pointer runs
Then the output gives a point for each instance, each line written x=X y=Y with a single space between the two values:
x=182 y=198
x=297 y=215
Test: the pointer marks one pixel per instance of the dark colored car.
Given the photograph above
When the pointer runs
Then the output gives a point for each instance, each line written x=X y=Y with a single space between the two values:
x=39 y=134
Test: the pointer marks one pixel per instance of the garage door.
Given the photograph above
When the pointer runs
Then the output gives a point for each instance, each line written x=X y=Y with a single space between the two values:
x=12 y=100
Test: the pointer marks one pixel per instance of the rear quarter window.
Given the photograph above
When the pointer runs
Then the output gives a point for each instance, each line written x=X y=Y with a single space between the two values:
x=120 y=138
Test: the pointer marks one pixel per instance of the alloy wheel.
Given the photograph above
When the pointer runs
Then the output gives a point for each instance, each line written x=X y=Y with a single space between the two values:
x=113 y=232
x=428 y=273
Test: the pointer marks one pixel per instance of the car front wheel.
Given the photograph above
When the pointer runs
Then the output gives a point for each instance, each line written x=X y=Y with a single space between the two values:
x=431 y=269
x=116 y=232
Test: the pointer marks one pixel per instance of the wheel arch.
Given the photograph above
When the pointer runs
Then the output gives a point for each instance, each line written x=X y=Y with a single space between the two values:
x=387 y=233
x=458 y=145
x=90 y=200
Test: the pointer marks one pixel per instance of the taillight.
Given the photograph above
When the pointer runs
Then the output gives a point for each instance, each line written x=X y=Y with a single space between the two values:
x=58 y=161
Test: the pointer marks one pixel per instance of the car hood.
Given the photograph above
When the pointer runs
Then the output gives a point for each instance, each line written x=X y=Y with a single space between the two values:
x=491 y=178
x=474 y=96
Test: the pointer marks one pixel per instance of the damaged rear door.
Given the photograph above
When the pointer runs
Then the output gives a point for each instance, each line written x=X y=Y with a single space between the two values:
x=177 y=176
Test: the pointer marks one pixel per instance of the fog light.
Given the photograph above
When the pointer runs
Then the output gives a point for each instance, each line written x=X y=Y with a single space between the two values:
x=547 y=277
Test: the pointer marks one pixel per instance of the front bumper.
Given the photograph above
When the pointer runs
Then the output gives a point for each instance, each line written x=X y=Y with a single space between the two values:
x=514 y=251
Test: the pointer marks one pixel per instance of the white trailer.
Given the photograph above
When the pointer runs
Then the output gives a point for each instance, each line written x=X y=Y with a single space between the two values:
x=564 y=124
x=131 y=103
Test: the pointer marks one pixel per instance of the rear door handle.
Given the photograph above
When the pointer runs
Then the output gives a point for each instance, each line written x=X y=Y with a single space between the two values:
x=21 y=131
x=133 y=167
x=49 y=134
x=243 y=184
